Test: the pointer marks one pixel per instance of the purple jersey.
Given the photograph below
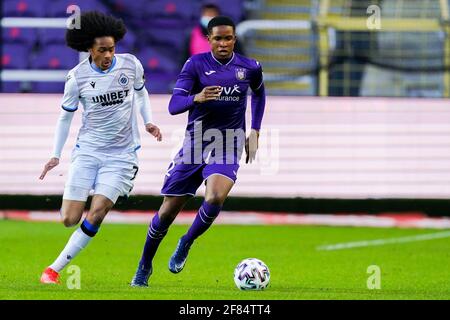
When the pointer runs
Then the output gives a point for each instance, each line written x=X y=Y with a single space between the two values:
x=220 y=122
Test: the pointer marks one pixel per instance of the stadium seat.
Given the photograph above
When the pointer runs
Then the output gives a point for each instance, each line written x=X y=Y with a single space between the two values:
x=49 y=87
x=24 y=36
x=23 y=8
x=160 y=83
x=128 y=42
x=157 y=61
x=170 y=38
x=58 y=36
x=232 y=8
x=15 y=56
x=160 y=23
x=123 y=48
x=130 y=9
x=15 y=87
x=171 y=10
x=58 y=8
x=52 y=36
x=55 y=57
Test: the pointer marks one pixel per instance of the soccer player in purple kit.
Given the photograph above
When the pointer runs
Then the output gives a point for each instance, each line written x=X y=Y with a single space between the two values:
x=213 y=87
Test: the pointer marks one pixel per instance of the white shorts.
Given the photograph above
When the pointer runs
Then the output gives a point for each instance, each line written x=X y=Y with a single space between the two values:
x=109 y=175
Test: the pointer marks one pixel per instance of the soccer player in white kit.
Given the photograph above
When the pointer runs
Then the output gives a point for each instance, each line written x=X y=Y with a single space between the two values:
x=111 y=89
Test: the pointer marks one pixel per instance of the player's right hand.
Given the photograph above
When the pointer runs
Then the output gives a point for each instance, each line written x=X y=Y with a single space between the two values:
x=208 y=94
x=53 y=162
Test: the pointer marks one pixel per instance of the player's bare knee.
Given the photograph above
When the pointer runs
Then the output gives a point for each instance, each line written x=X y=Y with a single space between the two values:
x=96 y=215
x=167 y=216
x=215 y=198
x=71 y=213
x=169 y=210
x=70 y=220
x=95 y=220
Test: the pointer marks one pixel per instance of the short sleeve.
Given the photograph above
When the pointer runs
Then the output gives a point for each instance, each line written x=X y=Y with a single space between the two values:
x=139 y=82
x=71 y=97
x=257 y=77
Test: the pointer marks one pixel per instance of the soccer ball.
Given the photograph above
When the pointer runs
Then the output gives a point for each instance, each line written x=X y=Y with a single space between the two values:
x=251 y=274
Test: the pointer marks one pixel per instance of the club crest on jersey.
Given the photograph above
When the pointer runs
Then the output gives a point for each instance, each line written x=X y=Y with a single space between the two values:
x=241 y=73
x=123 y=80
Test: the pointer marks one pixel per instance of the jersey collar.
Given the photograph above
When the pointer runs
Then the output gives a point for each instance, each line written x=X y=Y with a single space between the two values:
x=95 y=68
x=232 y=57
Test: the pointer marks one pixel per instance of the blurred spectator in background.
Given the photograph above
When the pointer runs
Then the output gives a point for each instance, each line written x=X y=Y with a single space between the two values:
x=196 y=41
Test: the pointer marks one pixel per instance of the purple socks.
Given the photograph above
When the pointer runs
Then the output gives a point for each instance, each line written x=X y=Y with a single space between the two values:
x=156 y=232
x=158 y=229
x=205 y=217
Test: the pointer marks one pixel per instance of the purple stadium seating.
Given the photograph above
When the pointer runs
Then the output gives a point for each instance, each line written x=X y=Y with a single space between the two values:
x=58 y=8
x=180 y=10
x=52 y=36
x=23 y=8
x=57 y=36
x=125 y=48
x=156 y=30
x=48 y=87
x=128 y=41
x=132 y=9
x=15 y=56
x=160 y=83
x=170 y=38
x=157 y=61
x=16 y=87
x=25 y=36
x=232 y=8
x=55 y=57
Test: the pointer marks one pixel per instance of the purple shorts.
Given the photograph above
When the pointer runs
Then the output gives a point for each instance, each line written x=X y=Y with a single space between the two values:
x=184 y=179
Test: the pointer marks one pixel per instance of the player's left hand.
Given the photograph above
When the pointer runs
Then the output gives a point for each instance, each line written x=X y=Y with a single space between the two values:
x=251 y=146
x=53 y=162
x=154 y=131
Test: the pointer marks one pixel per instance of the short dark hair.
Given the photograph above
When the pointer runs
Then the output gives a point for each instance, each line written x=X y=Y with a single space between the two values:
x=220 y=21
x=94 y=24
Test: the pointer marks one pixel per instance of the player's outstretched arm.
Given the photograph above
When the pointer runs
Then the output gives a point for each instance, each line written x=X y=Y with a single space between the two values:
x=258 y=107
x=53 y=162
x=145 y=109
x=62 y=132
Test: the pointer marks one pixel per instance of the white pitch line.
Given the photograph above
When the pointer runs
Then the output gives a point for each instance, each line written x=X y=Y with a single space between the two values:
x=382 y=242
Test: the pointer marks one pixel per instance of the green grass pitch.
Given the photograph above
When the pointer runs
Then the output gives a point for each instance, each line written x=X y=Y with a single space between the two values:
x=416 y=270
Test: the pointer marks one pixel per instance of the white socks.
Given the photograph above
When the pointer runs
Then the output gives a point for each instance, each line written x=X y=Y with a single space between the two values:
x=77 y=241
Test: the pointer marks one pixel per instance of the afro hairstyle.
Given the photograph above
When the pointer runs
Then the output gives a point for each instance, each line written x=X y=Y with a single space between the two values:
x=94 y=24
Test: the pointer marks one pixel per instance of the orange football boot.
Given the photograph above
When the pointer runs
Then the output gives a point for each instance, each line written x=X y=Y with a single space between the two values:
x=50 y=276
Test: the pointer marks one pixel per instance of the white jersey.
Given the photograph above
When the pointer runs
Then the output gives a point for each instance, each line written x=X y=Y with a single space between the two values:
x=109 y=118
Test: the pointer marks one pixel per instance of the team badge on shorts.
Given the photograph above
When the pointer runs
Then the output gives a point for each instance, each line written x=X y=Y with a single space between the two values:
x=123 y=80
x=241 y=73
